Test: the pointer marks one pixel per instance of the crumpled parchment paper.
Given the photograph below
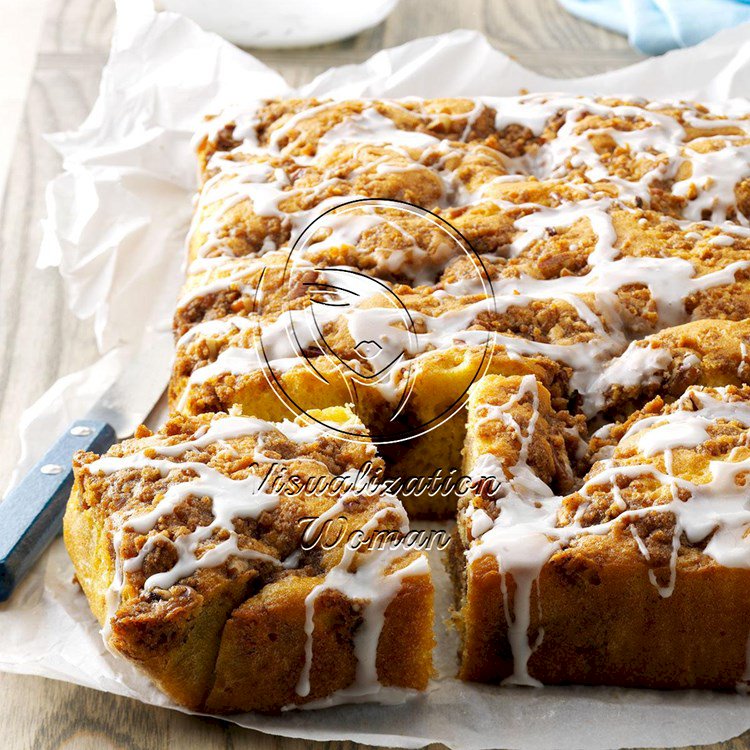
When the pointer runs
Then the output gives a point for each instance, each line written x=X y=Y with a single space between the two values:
x=117 y=218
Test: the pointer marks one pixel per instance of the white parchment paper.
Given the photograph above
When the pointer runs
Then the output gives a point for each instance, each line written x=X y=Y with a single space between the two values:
x=116 y=222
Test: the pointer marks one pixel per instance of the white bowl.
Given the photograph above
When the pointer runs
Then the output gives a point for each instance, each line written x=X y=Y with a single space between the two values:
x=282 y=23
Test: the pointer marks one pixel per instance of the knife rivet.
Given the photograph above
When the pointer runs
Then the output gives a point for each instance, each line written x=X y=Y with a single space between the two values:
x=81 y=431
x=51 y=469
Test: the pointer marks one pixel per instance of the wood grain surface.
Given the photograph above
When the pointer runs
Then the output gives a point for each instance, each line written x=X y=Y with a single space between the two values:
x=40 y=340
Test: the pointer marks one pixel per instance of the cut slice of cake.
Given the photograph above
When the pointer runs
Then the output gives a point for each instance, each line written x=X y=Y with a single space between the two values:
x=519 y=452
x=246 y=565
x=639 y=578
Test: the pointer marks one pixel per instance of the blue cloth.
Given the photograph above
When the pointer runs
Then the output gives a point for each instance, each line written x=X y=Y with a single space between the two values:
x=655 y=26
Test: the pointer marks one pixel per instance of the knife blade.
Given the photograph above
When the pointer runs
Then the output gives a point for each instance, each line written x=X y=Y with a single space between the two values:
x=31 y=514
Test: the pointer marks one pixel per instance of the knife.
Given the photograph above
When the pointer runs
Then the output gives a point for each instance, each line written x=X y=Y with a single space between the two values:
x=31 y=514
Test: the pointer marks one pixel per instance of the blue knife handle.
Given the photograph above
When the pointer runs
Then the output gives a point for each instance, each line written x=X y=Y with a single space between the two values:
x=31 y=514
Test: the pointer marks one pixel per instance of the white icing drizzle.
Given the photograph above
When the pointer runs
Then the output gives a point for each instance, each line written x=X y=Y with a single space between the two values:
x=230 y=499
x=518 y=538
x=525 y=533
x=358 y=574
x=639 y=364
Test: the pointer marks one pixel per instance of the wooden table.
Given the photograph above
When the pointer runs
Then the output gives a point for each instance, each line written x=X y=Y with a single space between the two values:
x=41 y=340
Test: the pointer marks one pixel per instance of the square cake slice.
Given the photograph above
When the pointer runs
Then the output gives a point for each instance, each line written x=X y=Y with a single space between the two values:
x=250 y=565
x=640 y=577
